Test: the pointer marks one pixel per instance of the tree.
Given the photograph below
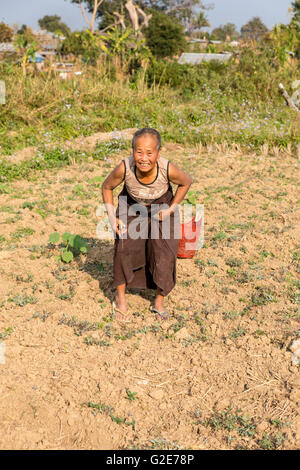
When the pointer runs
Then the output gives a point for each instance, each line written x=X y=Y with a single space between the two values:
x=137 y=16
x=223 y=32
x=185 y=11
x=84 y=43
x=255 y=29
x=54 y=24
x=27 y=34
x=202 y=21
x=6 y=33
x=296 y=11
x=164 y=35
x=112 y=12
x=93 y=6
x=26 y=49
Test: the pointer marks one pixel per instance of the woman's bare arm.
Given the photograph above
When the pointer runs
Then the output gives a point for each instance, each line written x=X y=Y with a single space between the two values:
x=183 y=181
x=113 y=180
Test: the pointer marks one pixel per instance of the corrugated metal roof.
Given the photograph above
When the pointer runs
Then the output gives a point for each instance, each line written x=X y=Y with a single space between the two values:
x=197 y=58
x=6 y=47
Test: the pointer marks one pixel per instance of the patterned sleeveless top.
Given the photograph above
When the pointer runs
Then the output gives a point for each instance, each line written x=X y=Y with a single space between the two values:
x=146 y=193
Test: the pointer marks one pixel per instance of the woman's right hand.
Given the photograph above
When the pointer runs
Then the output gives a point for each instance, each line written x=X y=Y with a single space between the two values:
x=118 y=227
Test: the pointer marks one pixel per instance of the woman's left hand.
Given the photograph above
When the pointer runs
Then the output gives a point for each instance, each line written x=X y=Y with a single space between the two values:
x=163 y=214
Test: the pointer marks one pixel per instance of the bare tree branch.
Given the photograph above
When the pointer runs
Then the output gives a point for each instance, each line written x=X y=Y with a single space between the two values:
x=91 y=23
x=121 y=19
x=145 y=17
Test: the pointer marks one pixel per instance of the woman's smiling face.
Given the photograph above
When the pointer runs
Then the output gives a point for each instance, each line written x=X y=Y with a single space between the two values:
x=145 y=153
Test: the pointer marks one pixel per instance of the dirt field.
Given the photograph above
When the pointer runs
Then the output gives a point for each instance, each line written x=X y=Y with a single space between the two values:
x=217 y=375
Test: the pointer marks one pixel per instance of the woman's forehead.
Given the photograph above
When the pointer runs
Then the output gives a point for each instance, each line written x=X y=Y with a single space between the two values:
x=146 y=140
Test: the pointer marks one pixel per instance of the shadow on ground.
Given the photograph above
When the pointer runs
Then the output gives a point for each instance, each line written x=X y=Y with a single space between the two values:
x=99 y=265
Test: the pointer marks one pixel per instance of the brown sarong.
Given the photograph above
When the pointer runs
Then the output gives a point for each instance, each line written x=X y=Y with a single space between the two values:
x=146 y=262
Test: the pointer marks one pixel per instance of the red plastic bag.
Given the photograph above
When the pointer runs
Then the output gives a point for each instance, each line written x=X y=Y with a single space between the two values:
x=190 y=232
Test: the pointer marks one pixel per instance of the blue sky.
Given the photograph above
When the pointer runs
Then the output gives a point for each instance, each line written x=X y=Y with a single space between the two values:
x=235 y=11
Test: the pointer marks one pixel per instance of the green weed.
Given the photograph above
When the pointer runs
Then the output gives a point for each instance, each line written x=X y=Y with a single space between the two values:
x=73 y=245
x=262 y=296
x=131 y=396
x=228 y=421
x=21 y=233
x=7 y=332
x=236 y=333
x=21 y=300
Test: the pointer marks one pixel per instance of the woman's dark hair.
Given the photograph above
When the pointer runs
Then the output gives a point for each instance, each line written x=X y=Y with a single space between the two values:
x=147 y=131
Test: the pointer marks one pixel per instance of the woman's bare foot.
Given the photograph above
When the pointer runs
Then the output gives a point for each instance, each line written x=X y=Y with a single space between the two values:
x=121 y=303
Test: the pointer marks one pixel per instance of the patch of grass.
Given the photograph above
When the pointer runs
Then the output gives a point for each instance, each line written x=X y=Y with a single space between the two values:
x=212 y=262
x=79 y=327
x=262 y=296
x=42 y=316
x=28 y=205
x=8 y=209
x=90 y=341
x=234 y=262
x=43 y=159
x=243 y=277
x=264 y=254
x=219 y=237
x=126 y=335
x=99 y=407
x=22 y=233
x=131 y=396
x=232 y=422
x=272 y=441
x=231 y=315
x=236 y=333
x=20 y=277
x=66 y=296
x=104 y=149
x=109 y=410
x=5 y=189
x=21 y=300
x=7 y=332
x=258 y=333
x=200 y=262
x=188 y=283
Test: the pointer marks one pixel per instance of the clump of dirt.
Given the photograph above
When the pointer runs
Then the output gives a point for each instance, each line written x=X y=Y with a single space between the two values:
x=217 y=375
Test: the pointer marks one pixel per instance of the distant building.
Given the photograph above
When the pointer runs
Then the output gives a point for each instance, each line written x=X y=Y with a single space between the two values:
x=6 y=47
x=38 y=58
x=198 y=58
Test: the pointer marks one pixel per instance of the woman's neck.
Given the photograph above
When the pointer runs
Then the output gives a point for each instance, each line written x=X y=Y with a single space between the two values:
x=147 y=177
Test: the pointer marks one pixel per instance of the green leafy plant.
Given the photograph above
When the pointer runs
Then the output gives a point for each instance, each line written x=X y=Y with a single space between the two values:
x=7 y=332
x=131 y=396
x=73 y=245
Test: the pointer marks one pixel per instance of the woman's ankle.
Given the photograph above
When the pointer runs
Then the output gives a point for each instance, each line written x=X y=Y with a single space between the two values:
x=159 y=302
x=121 y=298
